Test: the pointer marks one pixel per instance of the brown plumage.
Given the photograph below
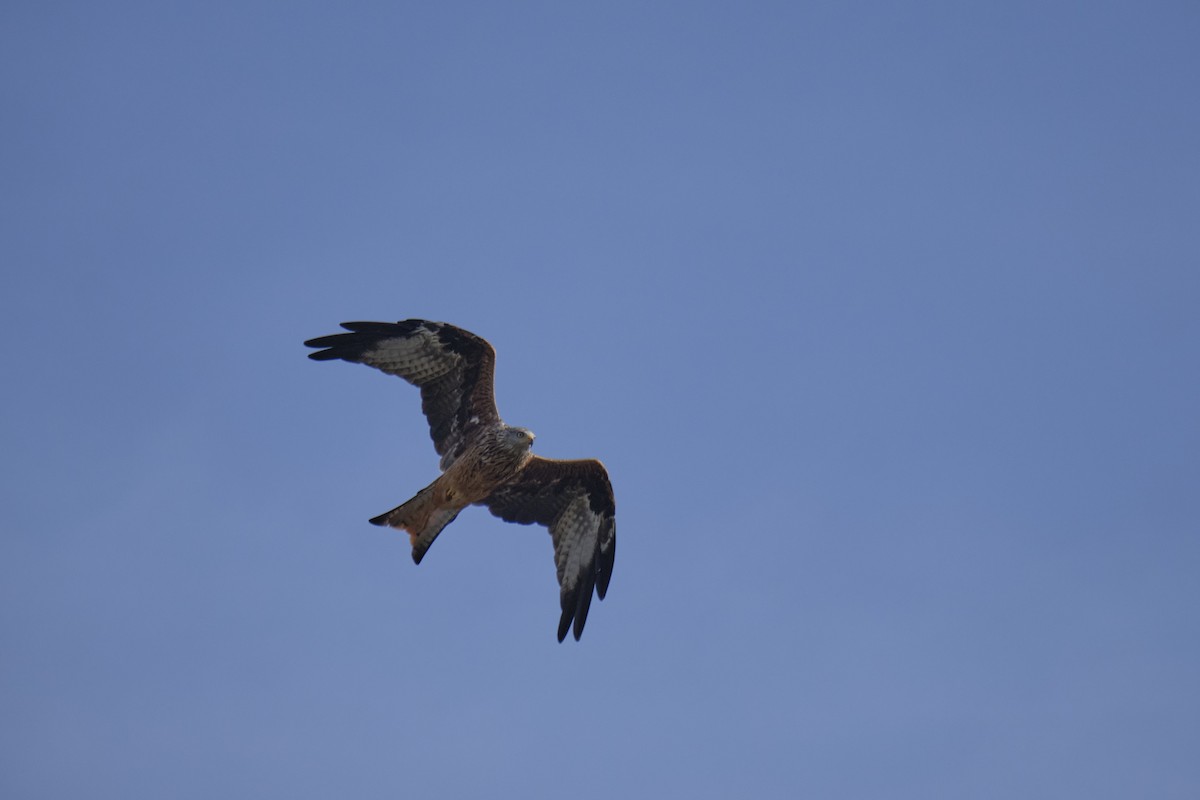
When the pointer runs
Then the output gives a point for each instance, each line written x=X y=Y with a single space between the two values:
x=484 y=461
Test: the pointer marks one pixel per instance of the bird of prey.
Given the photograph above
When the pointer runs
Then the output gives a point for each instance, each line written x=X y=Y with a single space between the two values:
x=484 y=461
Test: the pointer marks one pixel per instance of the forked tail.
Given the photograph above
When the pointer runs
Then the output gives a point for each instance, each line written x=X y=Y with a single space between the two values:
x=422 y=518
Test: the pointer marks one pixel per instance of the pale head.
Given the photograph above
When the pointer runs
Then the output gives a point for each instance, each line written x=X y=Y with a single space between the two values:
x=521 y=438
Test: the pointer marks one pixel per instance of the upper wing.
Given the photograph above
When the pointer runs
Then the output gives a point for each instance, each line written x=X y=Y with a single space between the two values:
x=574 y=499
x=453 y=367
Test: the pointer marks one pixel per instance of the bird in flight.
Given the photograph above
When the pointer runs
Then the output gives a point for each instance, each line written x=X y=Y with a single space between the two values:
x=485 y=461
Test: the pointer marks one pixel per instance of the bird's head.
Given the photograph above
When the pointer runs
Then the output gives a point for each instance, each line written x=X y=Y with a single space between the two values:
x=521 y=437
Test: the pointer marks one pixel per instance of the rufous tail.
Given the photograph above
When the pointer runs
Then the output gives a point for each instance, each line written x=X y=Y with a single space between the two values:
x=422 y=519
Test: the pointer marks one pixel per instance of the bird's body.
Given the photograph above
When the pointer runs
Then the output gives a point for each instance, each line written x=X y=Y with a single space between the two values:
x=485 y=461
x=498 y=454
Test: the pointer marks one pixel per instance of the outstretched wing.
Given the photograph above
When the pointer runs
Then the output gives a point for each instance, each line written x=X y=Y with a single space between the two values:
x=574 y=499
x=454 y=369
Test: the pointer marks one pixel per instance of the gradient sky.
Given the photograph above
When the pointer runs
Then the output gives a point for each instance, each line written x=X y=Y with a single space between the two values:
x=885 y=319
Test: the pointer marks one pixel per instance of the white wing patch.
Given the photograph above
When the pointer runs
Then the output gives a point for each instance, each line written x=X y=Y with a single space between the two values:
x=575 y=542
x=418 y=357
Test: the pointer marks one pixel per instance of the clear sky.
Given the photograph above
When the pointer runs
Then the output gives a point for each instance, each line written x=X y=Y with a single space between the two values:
x=884 y=317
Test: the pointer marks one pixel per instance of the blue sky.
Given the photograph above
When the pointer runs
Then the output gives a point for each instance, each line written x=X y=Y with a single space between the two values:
x=883 y=318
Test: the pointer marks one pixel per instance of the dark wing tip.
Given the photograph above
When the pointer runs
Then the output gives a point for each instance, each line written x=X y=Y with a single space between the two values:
x=338 y=345
x=575 y=605
x=401 y=328
x=583 y=603
x=605 y=559
x=323 y=341
x=361 y=335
